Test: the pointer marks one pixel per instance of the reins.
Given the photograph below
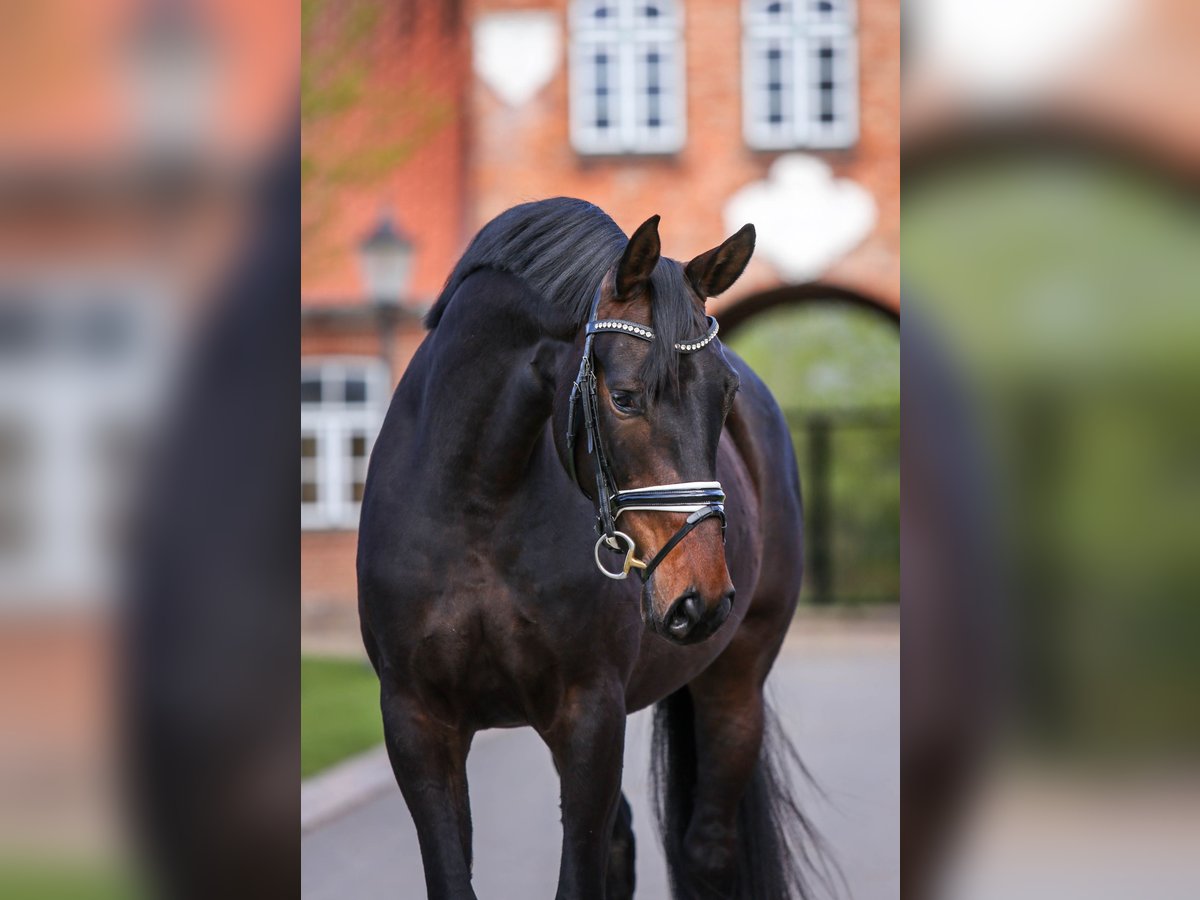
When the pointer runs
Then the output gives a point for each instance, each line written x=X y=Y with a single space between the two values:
x=701 y=499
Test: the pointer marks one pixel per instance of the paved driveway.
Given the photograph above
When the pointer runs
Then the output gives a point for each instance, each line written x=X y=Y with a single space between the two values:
x=838 y=691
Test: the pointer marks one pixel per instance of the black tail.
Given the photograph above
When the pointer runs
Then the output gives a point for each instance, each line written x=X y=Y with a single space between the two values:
x=780 y=854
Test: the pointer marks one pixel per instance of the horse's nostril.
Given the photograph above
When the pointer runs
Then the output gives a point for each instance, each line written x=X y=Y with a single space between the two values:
x=684 y=615
x=679 y=623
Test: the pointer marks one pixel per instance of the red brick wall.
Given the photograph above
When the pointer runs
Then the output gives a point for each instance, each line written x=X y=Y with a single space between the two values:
x=874 y=267
x=364 y=340
x=401 y=143
x=327 y=569
x=521 y=154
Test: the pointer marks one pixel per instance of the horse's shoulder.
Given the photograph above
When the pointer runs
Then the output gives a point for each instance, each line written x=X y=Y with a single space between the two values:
x=759 y=431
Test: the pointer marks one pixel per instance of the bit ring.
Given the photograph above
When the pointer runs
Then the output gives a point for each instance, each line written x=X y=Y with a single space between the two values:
x=631 y=562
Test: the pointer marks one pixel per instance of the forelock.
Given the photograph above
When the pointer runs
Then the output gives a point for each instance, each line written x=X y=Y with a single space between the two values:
x=676 y=315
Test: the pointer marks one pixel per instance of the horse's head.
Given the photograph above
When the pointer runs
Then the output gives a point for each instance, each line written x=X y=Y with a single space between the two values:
x=659 y=414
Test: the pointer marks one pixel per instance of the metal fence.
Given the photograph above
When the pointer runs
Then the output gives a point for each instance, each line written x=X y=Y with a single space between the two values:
x=850 y=479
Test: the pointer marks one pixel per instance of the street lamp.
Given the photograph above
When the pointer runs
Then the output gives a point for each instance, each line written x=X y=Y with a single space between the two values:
x=385 y=258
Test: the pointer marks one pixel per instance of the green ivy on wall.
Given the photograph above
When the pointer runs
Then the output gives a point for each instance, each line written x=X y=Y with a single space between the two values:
x=357 y=129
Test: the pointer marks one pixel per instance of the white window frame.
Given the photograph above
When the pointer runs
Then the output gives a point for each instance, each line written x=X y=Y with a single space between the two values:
x=799 y=32
x=333 y=425
x=627 y=35
x=68 y=491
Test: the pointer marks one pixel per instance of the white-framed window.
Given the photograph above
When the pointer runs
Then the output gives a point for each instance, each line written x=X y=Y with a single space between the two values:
x=799 y=74
x=86 y=356
x=342 y=403
x=627 y=85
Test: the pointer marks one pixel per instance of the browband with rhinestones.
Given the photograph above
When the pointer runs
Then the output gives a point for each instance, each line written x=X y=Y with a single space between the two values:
x=621 y=326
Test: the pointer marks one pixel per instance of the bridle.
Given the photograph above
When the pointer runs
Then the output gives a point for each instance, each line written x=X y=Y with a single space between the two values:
x=701 y=499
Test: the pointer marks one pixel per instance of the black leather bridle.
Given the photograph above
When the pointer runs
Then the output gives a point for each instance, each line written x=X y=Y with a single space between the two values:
x=701 y=499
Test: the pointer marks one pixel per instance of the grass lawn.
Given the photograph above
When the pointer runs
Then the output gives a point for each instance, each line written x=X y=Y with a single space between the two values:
x=46 y=879
x=339 y=711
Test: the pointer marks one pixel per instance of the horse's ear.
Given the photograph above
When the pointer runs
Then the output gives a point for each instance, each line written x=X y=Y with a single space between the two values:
x=714 y=272
x=639 y=259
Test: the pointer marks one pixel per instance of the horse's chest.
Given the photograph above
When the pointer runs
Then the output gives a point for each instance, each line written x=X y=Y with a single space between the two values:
x=487 y=659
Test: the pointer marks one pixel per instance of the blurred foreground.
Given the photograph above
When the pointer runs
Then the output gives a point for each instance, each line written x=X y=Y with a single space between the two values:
x=1050 y=462
x=148 y=274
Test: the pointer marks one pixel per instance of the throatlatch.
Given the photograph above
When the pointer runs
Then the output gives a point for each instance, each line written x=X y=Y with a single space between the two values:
x=701 y=499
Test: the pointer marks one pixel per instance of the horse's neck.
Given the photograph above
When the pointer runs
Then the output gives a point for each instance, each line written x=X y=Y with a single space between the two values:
x=488 y=404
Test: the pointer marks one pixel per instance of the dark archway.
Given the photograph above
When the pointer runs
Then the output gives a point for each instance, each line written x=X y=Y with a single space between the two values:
x=743 y=310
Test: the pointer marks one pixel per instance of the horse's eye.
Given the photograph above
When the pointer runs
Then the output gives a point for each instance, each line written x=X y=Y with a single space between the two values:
x=625 y=401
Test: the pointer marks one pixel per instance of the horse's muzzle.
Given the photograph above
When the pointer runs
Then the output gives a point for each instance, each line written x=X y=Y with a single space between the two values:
x=689 y=621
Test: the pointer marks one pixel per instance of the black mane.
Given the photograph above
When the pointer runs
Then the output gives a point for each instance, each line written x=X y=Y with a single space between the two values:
x=562 y=248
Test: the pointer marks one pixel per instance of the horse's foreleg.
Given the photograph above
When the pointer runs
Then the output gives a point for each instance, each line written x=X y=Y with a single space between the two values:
x=429 y=760
x=588 y=743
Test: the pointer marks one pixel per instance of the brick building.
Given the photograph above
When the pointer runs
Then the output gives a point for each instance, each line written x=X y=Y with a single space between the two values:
x=438 y=116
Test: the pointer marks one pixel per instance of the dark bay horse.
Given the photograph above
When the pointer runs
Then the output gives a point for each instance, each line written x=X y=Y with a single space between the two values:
x=570 y=411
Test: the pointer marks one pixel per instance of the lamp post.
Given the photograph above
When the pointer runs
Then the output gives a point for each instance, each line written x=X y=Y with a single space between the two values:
x=385 y=257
